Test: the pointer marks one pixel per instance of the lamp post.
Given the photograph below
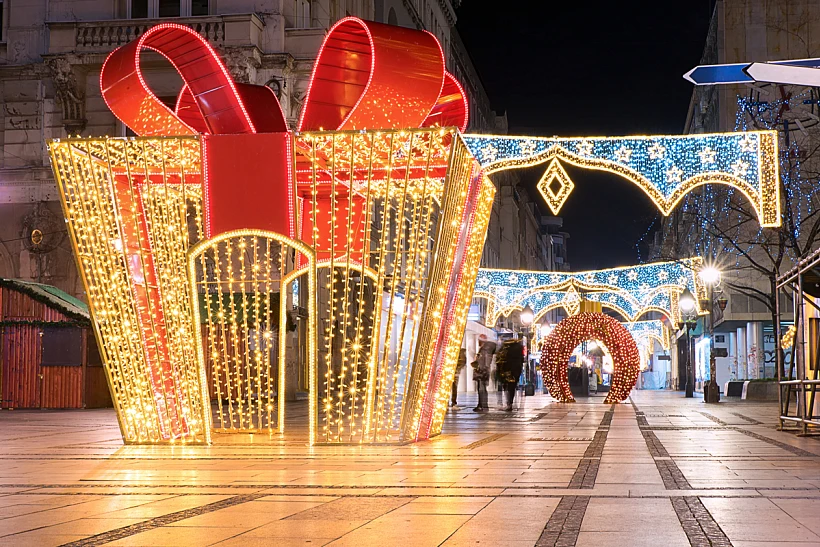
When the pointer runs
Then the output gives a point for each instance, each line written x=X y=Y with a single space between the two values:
x=527 y=317
x=711 y=392
x=687 y=306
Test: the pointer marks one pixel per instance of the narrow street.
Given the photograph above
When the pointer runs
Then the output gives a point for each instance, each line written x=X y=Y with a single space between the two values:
x=657 y=470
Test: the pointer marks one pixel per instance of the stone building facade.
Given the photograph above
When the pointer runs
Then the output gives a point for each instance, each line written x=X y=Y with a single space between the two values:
x=50 y=63
x=746 y=31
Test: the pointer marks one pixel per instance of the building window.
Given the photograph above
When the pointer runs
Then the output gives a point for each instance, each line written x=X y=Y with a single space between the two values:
x=391 y=17
x=303 y=14
x=139 y=9
x=149 y=9
x=199 y=7
x=169 y=8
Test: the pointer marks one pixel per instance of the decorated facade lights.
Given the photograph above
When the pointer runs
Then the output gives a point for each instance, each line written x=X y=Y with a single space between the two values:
x=666 y=168
x=567 y=335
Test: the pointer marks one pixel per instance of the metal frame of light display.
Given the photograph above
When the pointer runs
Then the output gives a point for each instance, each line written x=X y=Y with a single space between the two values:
x=389 y=199
x=632 y=291
x=666 y=168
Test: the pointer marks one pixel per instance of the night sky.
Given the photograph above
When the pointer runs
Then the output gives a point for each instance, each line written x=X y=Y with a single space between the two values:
x=580 y=68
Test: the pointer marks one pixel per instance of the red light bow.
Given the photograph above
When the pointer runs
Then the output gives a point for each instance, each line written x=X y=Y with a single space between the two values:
x=367 y=75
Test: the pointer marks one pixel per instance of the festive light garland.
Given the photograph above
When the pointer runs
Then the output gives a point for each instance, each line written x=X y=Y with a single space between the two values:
x=569 y=334
x=666 y=168
x=645 y=332
x=787 y=340
x=419 y=230
x=632 y=290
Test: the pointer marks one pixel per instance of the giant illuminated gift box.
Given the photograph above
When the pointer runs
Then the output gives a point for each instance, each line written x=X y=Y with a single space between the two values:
x=196 y=238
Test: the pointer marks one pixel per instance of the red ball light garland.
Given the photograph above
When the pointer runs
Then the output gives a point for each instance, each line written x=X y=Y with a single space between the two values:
x=558 y=346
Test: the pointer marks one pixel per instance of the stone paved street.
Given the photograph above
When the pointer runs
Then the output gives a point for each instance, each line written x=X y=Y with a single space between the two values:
x=663 y=470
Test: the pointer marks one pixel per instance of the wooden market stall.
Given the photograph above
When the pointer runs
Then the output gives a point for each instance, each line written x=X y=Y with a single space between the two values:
x=48 y=354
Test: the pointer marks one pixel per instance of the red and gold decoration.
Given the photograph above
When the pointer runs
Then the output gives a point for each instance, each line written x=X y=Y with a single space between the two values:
x=192 y=238
x=567 y=335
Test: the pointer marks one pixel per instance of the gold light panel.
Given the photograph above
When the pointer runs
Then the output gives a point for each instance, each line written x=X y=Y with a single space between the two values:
x=182 y=322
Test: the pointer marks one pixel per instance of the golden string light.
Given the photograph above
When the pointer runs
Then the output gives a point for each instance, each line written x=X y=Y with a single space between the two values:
x=395 y=221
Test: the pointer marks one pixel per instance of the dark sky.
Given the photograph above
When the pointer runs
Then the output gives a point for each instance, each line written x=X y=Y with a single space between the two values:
x=581 y=68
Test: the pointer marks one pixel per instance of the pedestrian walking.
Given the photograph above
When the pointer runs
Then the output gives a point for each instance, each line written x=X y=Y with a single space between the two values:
x=481 y=371
x=510 y=364
x=460 y=364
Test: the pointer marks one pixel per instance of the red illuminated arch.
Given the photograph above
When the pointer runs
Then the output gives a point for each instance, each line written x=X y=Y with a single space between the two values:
x=572 y=331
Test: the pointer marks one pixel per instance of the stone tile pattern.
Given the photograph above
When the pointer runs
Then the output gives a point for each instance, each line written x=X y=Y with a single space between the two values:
x=697 y=522
x=587 y=470
x=164 y=520
x=673 y=478
x=564 y=525
x=503 y=479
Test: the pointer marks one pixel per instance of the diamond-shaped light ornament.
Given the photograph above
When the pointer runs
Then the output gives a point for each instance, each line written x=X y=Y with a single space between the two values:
x=572 y=300
x=555 y=186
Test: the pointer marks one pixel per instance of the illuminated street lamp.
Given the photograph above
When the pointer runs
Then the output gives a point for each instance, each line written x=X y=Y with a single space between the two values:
x=546 y=329
x=687 y=306
x=711 y=277
x=686 y=301
x=527 y=316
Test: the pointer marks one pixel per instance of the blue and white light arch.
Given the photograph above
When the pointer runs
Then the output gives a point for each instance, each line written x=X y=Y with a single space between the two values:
x=645 y=332
x=664 y=167
x=632 y=291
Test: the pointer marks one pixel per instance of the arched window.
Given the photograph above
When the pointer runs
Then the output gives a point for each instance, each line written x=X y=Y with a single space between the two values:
x=391 y=17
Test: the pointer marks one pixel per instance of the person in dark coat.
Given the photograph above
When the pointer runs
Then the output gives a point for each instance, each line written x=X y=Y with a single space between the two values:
x=513 y=365
x=481 y=371
x=460 y=364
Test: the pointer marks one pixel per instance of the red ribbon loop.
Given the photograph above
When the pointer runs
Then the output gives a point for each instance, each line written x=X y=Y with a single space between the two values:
x=374 y=76
x=210 y=102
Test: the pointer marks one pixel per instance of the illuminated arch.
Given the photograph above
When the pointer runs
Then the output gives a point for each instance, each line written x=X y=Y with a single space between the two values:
x=666 y=168
x=632 y=291
x=649 y=330
x=261 y=281
x=572 y=331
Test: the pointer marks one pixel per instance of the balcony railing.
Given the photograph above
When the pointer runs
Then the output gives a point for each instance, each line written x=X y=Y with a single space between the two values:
x=104 y=36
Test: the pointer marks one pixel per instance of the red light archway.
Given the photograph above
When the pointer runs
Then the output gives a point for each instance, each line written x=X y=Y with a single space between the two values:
x=572 y=331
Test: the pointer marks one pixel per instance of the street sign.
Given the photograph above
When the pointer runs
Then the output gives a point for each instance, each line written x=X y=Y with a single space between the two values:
x=794 y=71
x=719 y=74
x=784 y=74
